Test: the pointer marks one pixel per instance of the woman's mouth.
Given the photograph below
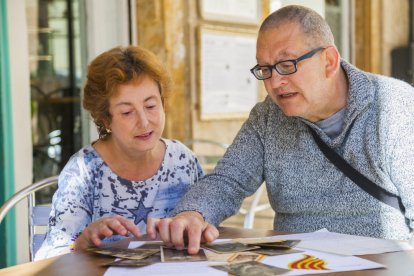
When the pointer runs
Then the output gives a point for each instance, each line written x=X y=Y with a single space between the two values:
x=145 y=136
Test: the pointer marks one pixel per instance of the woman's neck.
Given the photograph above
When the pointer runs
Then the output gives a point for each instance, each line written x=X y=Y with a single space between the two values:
x=135 y=166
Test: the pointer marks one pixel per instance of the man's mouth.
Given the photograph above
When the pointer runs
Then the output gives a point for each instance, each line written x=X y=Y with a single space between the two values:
x=287 y=95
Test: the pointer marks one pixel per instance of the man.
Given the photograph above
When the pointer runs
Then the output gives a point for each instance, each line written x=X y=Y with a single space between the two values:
x=367 y=119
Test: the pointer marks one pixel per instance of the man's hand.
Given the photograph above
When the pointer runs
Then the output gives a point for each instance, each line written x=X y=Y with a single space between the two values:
x=105 y=227
x=173 y=231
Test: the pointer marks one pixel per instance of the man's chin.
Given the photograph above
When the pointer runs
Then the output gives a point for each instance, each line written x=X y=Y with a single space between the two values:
x=289 y=112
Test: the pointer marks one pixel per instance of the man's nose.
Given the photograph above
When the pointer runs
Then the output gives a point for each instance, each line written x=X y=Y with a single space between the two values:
x=277 y=80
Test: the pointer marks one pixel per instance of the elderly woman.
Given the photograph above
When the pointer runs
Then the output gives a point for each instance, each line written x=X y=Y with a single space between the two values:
x=110 y=188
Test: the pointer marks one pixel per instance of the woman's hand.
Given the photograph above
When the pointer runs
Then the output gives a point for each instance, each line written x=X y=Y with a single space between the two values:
x=105 y=227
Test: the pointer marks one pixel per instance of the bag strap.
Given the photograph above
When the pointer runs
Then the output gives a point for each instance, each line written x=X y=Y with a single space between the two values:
x=364 y=183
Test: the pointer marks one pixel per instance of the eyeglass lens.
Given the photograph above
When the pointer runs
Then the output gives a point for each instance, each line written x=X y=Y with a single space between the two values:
x=285 y=67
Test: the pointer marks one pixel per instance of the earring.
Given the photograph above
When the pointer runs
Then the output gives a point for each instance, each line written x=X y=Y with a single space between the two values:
x=109 y=131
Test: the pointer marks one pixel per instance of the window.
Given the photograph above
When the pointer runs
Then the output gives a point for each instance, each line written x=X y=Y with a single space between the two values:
x=55 y=81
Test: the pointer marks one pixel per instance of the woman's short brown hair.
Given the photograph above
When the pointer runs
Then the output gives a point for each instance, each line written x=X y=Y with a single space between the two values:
x=115 y=67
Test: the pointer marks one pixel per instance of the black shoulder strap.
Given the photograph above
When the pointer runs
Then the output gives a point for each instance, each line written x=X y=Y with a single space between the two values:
x=359 y=179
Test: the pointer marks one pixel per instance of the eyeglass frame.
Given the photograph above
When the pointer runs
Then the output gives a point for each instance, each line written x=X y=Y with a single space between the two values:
x=294 y=61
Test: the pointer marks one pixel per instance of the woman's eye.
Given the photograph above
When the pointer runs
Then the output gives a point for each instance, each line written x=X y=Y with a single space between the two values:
x=126 y=113
x=151 y=106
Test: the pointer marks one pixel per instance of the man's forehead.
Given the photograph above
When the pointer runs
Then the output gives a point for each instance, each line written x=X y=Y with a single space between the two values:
x=279 y=43
x=284 y=29
x=278 y=52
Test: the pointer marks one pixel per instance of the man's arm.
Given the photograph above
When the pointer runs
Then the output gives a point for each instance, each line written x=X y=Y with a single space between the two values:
x=220 y=194
x=237 y=175
x=396 y=131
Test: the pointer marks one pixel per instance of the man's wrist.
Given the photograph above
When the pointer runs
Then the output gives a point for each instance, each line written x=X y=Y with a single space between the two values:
x=192 y=212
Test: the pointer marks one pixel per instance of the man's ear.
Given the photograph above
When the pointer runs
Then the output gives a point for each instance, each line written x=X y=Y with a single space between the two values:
x=332 y=61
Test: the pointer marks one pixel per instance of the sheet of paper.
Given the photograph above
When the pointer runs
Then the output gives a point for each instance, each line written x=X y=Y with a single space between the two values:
x=343 y=244
x=306 y=262
x=315 y=262
x=170 y=269
x=179 y=269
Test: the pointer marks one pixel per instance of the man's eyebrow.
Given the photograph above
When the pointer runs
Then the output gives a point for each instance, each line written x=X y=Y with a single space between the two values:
x=284 y=55
x=281 y=57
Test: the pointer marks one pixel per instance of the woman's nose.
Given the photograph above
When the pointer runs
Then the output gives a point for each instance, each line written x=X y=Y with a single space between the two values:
x=142 y=120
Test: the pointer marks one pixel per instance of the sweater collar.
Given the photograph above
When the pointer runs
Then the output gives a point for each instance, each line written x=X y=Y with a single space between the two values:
x=361 y=93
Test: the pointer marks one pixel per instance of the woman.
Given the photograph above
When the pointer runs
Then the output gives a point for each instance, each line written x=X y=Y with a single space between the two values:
x=110 y=188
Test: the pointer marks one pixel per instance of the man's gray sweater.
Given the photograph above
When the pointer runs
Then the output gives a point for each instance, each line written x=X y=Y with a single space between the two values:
x=305 y=189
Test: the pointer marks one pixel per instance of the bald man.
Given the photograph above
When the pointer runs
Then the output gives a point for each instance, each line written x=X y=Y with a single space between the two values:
x=367 y=119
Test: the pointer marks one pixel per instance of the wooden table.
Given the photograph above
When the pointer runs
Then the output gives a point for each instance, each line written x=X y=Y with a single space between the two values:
x=84 y=263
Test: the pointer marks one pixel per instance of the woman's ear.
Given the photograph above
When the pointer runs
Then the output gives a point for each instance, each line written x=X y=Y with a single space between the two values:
x=332 y=61
x=107 y=123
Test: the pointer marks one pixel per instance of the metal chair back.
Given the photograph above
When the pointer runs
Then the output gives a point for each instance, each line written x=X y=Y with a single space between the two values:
x=38 y=214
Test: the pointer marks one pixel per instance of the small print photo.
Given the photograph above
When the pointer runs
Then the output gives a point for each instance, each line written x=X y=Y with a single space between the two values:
x=156 y=258
x=268 y=242
x=281 y=244
x=245 y=257
x=275 y=251
x=217 y=257
x=251 y=268
x=171 y=255
x=150 y=245
x=229 y=247
x=125 y=253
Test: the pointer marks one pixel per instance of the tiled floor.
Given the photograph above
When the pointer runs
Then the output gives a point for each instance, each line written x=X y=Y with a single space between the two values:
x=262 y=220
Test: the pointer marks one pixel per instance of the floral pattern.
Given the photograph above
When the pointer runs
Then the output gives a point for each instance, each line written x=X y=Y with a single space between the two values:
x=88 y=190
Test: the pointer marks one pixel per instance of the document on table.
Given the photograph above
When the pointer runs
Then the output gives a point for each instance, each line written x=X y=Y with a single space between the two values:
x=343 y=244
x=316 y=262
x=171 y=269
x=307 y=262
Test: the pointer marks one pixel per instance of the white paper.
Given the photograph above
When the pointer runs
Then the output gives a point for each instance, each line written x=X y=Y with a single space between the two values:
x=346 y=244
x=179 y=269
x=170 y=269
x=330 y=263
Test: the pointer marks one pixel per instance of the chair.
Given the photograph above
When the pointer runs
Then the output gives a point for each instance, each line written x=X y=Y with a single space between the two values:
x=209 y=153
x=250 y=212
x=38 y=214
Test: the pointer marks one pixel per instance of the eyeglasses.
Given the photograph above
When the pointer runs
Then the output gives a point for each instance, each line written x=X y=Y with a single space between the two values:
x=284 y=67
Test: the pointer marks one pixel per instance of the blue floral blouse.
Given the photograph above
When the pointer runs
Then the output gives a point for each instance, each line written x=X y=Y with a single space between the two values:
x=88 y=190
